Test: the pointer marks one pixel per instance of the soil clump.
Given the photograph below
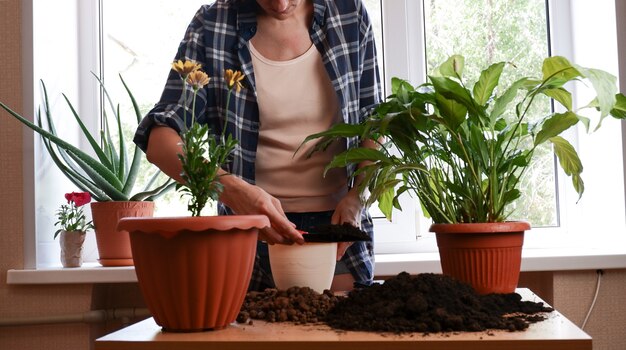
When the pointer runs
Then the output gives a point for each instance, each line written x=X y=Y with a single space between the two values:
x=425 y=303
x=336 y=233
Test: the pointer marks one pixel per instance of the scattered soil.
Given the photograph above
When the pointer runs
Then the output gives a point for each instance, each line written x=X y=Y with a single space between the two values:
x=426 y=303
x=431 y=303
x=296 y=304
x=336 y=233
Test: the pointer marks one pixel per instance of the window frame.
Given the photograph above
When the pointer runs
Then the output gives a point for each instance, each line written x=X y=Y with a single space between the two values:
x=403 y=41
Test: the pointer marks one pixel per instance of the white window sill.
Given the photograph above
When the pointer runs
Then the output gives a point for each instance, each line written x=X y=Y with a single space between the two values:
x=533 y=259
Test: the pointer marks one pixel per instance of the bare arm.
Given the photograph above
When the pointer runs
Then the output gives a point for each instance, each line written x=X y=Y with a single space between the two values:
x=164 y=146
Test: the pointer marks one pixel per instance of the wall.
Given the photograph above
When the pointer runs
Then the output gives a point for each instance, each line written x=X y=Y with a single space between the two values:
x=19 y=301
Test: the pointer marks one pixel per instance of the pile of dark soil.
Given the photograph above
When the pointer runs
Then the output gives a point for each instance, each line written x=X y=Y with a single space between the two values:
x=336 y=233
x=296 y=304
x=425 y=303
x=431 y=303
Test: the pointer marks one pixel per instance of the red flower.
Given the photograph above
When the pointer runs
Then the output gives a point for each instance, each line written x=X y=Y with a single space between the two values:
x=79 y=198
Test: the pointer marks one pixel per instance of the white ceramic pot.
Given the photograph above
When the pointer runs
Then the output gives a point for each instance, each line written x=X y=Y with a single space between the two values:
x=309 y=265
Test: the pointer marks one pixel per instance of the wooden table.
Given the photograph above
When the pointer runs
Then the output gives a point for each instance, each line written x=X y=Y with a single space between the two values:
x=555 y=333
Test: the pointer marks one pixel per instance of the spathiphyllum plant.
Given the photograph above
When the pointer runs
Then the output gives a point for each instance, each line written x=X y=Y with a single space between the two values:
x=462 y=150
x=110 y=175
x=203 y=153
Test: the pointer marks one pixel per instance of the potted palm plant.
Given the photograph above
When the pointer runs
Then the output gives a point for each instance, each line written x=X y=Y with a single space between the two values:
x=109 y=176
x=194 y=271
x=462 y=151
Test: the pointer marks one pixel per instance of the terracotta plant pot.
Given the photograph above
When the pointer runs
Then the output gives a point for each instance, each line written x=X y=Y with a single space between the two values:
x=72 y=248
x=194 y=272
x=486 y=255
x=113 y=244
x=309 y=265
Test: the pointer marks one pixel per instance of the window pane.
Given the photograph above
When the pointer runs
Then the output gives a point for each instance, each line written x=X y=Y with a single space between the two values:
x=140 y=39
x=489 y=31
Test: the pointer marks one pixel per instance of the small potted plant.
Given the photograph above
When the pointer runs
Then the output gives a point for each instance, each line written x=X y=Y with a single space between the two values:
x=73 y=228
x=109 y=177
x=194 y=271
x=461 y=150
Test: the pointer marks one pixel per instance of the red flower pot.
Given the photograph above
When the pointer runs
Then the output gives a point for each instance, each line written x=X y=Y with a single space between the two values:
x=488 y=256
x=194 y=271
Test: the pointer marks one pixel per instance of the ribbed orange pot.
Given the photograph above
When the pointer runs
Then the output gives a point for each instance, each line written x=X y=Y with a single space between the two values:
x=488 y=256
x=194 y=272
x=113 y=244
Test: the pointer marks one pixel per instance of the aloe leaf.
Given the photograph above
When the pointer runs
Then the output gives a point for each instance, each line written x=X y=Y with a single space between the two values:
x=154 y=193
x=105 y=180
x=60 y=142
x=123 y=156
x=133 y=171
x=554 y=126
x=66 y=166
x=109 y=146
x=489 y=78
x=94 y=144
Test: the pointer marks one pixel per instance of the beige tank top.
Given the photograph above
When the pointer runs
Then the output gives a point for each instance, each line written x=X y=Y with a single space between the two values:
x=296 y=99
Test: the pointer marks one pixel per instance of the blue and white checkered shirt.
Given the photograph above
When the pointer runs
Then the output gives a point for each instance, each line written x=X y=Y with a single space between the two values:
x=218 y=38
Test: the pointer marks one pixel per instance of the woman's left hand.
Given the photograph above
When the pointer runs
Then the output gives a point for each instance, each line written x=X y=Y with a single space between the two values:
x=348 y=211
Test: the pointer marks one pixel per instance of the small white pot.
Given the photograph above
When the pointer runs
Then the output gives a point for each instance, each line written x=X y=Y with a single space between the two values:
x=72 y=248
x=309 y=265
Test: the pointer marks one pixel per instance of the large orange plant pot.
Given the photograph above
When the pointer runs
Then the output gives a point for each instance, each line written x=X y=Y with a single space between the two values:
x=194 y=272
x=488 y=256
x=113 y=244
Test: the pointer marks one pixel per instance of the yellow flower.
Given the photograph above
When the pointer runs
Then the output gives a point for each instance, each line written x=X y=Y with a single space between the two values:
x=197 y=79
x=184 y=68
x=233 y=78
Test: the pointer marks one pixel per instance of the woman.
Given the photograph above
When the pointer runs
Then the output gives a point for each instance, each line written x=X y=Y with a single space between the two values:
x=308 y=65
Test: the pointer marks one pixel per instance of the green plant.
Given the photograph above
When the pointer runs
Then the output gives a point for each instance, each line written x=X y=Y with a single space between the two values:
x=70 y=216
x=107 y=177
x=203 y=154
x=462 y=151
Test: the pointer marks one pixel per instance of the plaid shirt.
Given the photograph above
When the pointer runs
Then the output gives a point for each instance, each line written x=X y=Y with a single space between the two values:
x=218 y=38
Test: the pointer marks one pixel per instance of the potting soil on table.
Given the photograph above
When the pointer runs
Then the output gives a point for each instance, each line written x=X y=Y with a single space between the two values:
x=424 y=303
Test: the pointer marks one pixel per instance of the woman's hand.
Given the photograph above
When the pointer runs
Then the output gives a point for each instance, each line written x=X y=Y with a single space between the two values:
x=246 y=199
x=347 y=211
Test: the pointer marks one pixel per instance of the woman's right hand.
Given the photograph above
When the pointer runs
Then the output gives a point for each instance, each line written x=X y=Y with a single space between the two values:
x=246 y=199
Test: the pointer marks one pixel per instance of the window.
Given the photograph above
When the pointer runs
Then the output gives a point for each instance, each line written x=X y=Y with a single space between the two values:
x=140 y=39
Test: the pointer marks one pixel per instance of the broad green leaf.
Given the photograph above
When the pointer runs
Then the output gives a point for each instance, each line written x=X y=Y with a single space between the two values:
x=560 y=95
x=452 y=113
x=453 y=66
x=558 y=69
x=569 y=161
x=357 y=155
x=502 y=102
x=489 y=79
x=605 y=85
x=385 y=202
x=619 y=110
x=555 y=125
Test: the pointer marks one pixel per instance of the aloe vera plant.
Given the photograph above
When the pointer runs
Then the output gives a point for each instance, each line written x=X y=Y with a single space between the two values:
x=463 y=150
x=110 y=175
